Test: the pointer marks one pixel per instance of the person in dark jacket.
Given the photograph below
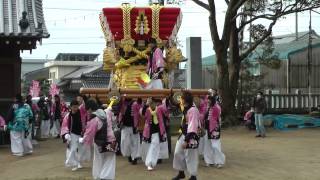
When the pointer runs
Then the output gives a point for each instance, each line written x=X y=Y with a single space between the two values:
x=259 y=105
x=44 y=109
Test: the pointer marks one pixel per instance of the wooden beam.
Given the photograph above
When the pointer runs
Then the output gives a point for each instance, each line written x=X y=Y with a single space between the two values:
x=139 y=92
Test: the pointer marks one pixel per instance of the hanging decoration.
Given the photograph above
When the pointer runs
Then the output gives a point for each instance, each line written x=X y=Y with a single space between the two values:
x=34 y=90
x=54 y=90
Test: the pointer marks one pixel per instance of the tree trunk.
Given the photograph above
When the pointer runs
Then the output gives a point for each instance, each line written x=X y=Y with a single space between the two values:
x=235 y=65
x=228 y=109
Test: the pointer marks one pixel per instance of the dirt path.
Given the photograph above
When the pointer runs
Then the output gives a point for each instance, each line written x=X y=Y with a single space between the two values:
x=291 y=155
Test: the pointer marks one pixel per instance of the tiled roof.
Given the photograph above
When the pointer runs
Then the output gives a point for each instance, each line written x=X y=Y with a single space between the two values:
x=11 y=13
x=76 y=57
x=82 y=70
x=95 y=83
x=87 y=77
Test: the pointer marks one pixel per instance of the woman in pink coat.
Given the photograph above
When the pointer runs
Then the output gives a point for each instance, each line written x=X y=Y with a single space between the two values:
x=99 y=133
x=154 y=133
x=186 y=155
x=213 y=154
x=3 y=125
x=71 y=131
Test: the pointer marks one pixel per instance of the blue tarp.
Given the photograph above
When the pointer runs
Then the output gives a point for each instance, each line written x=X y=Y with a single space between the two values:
x=290 y=121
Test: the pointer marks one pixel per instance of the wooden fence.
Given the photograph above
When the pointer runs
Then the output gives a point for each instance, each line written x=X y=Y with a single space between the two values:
x=286 y=103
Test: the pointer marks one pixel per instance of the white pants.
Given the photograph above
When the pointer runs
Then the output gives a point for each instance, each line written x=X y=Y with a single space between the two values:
x=19 y=144
x=212 y=151
x=45 y=128
x=72 y=155
x=164 y=151
x=155 y=84
x=84 y=153
x=201 y=146
x=104 y=164
x=130 y=143
x=153 y=151
x=185 y=159
x=55 y=130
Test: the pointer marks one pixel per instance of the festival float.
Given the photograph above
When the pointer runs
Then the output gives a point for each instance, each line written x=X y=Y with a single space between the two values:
x=127 y=30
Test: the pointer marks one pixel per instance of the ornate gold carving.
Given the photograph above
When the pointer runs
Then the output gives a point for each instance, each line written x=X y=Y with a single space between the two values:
x=155 y=22
x=142 y=25
x=127 y=42
x=173 y=57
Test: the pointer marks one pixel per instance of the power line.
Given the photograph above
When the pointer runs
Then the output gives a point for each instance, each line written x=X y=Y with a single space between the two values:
x=100 y=10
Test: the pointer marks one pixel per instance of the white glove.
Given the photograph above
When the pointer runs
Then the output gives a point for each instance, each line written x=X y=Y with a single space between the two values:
x=5 y=127
x=67 y=137
x=81 y=140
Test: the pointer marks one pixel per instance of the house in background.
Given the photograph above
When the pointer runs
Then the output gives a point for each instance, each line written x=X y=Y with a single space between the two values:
x=66 y=63
x=292 y=74
x=29 y=65
x=86 y=77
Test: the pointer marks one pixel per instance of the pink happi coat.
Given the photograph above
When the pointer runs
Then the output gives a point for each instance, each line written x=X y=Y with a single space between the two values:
x=148 y=122
x=214 y=121
x=203 y=109
x=165 y=111
x=135 y=109
x=95 y=124
x=84 y=116
x=123 y=108
x=247 y=116
x=2 y=122
x=157 y=61
x=193 y=120
x=65 y=124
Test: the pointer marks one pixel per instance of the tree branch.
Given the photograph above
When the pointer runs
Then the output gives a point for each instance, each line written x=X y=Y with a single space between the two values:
x=213 y=24
x=202 y=4
x=238 y=5
x=279 y=13
x=258 y=42
x=227 y=2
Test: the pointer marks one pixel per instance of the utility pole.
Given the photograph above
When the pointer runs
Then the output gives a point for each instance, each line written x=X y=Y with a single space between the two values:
x=309 y=61
x=297 y=30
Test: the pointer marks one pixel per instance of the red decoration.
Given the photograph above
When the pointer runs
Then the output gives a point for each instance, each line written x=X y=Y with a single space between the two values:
x=168 y=19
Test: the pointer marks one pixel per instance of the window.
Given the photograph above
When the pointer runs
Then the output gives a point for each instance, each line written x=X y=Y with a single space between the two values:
x=52 y=75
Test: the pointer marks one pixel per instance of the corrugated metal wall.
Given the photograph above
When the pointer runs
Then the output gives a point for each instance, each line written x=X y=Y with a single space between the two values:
x=299 y=70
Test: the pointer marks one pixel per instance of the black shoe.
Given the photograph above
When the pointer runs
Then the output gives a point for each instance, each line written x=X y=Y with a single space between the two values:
x=129 y=159
x=193 y=178
x=181 y=175
x=58 y=137
x=159 y=161
x=134 y=162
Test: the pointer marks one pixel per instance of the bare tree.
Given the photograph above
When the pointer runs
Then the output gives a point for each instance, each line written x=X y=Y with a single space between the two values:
x=227 y=44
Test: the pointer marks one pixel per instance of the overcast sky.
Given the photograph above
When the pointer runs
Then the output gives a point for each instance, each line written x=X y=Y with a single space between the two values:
x=75 y=28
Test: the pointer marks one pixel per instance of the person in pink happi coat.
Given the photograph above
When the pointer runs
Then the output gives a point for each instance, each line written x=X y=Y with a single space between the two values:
x=99 y=133
x=155 y=66
x=213 y=155
x=71 y=131
x=186 y=155
x=154 y=133
x=3 y=125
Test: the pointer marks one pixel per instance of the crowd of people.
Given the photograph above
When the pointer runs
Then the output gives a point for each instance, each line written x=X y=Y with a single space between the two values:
x=138 y=130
